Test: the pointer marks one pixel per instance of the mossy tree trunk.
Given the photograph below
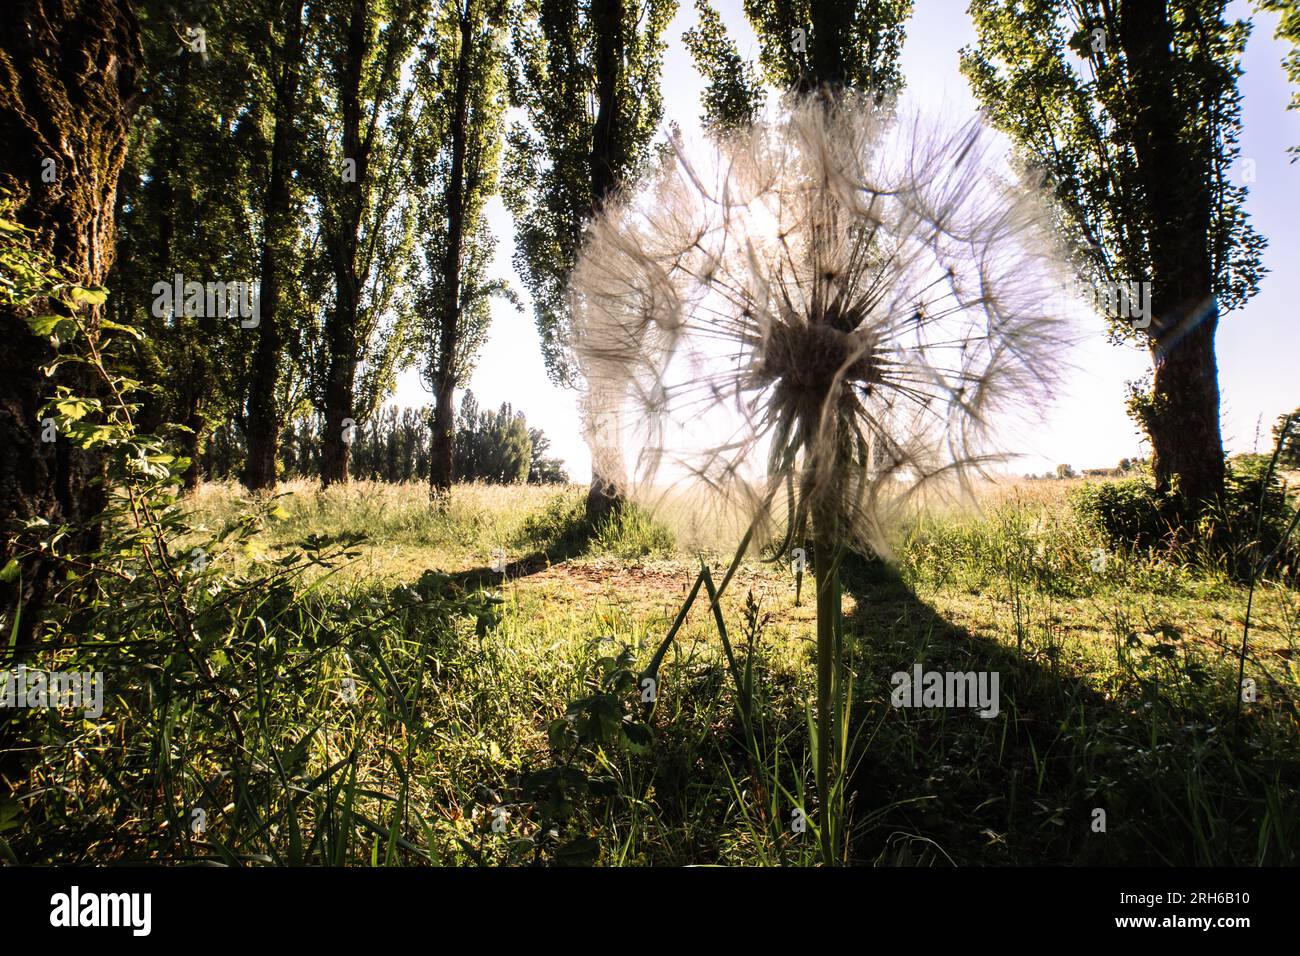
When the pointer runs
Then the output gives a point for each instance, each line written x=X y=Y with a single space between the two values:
x=67 y=79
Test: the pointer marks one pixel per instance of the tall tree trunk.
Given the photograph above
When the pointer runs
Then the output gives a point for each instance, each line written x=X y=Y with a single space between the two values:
x=336 y=445
x=192 y=442
x=440 y=472
x=67 y=79
x=1182 y=417
x=263 y=414
x=829 y=33
x=1183 y=424
x=341 y=331
x=608 y=159
x=441 y=464
x=608 y=152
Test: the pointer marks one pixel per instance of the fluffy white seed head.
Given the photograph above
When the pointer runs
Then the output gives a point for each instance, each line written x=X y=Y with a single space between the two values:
x=817 y=317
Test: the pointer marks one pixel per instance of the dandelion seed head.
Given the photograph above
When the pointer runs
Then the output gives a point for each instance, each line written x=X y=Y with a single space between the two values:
x=815 y=318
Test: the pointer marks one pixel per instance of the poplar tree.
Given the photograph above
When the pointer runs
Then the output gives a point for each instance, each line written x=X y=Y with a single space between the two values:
x=359 y=166
x=1130 y=111
x=808 y=45
x=586 y=76
x=461 y=87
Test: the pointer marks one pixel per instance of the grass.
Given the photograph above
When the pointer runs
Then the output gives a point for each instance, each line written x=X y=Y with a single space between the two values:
x=415 y=705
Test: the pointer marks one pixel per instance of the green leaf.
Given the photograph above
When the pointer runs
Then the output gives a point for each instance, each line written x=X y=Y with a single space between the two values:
x=119 y=327
x=82 y=296
x=75 y=409
x=10 y=571
x=45 y=324
x=638 y=736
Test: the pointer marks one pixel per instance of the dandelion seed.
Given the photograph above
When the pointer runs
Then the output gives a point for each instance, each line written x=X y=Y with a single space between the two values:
x=851 y=298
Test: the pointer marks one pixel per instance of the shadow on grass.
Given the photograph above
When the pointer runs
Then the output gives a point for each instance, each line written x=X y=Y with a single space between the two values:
x=1025 y=786
x=567 y=534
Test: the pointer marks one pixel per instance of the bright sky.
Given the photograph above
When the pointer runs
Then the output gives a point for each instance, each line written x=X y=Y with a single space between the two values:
x=1087 y=426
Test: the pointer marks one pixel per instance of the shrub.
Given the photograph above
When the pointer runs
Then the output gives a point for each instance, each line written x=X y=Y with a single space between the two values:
x=560 y=526
x=630 y=532
x=1254 y=498
x=1129 y=511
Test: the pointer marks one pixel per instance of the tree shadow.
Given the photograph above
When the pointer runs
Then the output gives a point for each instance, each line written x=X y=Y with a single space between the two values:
x=569 y=536
x=941 y=785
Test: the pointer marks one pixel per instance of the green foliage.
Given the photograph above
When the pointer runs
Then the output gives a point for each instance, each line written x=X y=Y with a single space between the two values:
x=631 y=532
x=357 y=155
x=391 y=446
x=491 y=446
x=1127 y=512
x=561 y=524
x=849 y=43
x=1070 y=106
x=155 y=612
x=190 y=200
x=433 y=172
x=1287 y=439
x=1257 y=520
x=1252 y=522
x=25 y=274
x=543 y=469
x=594 y=728
x=548 y=186
x=1288 y=28
x=733 y=92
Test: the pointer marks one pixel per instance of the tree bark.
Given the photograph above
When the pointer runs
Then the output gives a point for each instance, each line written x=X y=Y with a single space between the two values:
x=608 y=160
x=67 y=80
x=264 y=417
x=192 y=447
x=1182 y=417
x=341 y=331
x=440 y=471
x=831 y=30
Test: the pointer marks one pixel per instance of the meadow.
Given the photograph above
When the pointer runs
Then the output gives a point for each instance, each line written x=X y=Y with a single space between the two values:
x=464 y=685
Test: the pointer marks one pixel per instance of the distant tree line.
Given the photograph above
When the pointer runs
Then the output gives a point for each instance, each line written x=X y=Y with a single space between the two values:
x=1064 y=472
x=496 y=447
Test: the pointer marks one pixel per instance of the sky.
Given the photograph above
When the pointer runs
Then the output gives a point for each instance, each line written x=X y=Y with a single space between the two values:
x=1087 y=425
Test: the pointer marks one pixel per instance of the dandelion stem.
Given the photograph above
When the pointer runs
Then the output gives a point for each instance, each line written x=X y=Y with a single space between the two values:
x=827 y=607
